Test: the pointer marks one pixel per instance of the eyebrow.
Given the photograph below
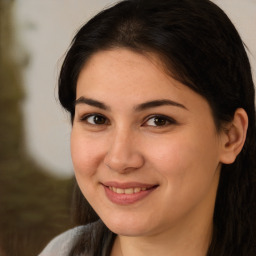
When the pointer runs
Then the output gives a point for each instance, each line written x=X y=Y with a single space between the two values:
x=91 y=102
x=158 y=103
x=140 y=107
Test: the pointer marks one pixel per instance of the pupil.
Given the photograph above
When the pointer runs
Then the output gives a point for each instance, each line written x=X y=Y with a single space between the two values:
x=99 y=120
x=160 y=121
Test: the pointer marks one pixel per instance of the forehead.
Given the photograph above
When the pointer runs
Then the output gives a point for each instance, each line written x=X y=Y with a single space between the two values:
x=123 y=59
x=129 y=76
x=125 y=68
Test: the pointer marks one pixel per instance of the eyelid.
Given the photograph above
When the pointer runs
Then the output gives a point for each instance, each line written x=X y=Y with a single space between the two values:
x=169 y=119
x=85 y=117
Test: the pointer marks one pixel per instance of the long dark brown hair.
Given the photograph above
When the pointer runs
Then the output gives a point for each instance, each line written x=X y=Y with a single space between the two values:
x=201 y=48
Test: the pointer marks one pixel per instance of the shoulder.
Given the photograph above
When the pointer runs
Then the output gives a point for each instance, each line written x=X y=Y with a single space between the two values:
x=61 y=244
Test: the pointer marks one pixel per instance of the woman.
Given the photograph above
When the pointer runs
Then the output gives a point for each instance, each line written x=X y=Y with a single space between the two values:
x=161 y=99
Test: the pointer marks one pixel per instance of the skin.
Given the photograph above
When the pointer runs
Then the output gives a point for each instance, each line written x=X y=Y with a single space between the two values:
x=180 y=153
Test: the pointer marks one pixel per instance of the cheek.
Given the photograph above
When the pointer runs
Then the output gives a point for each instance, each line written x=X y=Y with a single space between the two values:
x=86 y=154
x=188 y=172
x=170 y=156
x=185 y=156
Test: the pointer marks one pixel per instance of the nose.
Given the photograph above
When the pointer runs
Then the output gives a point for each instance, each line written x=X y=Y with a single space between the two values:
x=123 y=153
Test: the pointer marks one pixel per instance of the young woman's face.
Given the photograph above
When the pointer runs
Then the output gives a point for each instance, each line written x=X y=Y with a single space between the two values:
x=145 y=150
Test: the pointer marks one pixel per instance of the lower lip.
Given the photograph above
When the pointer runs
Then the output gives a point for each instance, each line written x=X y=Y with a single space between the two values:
x=126 y=199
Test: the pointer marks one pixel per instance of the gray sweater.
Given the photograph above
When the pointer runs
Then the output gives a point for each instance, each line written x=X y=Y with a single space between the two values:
x=62 y=244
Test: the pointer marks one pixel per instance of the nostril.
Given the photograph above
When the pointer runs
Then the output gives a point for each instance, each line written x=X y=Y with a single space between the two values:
x=124 y=161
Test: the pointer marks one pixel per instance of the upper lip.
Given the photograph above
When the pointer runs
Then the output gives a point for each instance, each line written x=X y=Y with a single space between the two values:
x=128 y=185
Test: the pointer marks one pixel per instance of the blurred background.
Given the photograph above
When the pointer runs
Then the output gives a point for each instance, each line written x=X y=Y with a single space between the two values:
x=36 y=176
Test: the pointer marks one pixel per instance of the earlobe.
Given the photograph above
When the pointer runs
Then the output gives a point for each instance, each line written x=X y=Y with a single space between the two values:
x=234 y=136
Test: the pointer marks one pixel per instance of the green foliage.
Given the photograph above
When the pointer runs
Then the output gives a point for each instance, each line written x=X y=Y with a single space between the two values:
x=34 y=206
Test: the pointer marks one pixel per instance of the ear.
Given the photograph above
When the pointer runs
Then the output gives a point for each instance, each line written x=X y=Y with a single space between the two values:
x=233 y=137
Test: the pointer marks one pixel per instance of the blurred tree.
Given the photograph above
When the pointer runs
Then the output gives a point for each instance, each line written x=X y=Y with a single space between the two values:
x=34 y=206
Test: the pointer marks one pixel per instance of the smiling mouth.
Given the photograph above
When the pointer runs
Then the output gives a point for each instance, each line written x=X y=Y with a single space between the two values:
x=127 y=191
x=127 y=194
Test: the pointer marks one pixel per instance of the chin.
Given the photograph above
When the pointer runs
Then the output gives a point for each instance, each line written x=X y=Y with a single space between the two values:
x=128 y=231
x=127 y=227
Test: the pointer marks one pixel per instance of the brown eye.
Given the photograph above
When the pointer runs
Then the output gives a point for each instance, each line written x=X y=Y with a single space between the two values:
x=95 y=119
x=159 y=121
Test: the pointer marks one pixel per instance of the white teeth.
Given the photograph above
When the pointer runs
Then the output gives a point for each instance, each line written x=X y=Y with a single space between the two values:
x=136 y=190
x=127 y=191
x=120 y=191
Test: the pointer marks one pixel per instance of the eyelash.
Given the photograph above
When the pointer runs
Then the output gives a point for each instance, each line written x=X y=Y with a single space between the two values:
x=94 y=115
x=165 y=120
